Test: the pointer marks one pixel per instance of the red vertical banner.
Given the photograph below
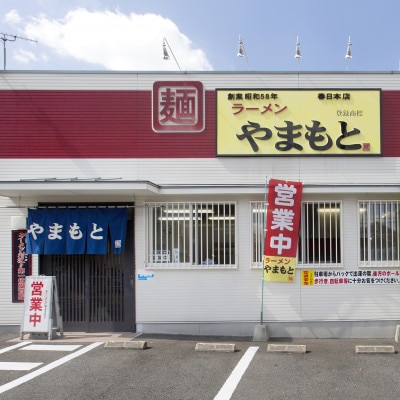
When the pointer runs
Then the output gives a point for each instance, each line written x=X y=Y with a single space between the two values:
x=21 y=264
x=282 y=230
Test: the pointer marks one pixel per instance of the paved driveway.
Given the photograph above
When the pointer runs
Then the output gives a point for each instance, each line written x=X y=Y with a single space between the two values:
x=170 y=368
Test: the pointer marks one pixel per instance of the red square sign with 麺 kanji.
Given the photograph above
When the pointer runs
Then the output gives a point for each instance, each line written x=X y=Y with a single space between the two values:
x=178 y=106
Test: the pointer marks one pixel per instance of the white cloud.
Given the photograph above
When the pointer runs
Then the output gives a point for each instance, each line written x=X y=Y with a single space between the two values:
x=24 y=56
x=12 y=17
x=116 y=41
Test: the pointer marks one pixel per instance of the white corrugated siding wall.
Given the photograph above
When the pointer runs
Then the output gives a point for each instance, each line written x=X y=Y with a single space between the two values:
x=235 y=295
x=311 y=170
x=43 y=80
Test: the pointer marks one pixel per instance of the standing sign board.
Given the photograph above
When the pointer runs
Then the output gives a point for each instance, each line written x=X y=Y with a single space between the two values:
x=41 y=301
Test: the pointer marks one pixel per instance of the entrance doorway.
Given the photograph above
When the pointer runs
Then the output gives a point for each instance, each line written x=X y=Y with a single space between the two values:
x=96 y=292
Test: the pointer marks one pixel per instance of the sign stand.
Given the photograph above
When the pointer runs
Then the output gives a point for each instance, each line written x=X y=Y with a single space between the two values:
x=42 y=317
x=59 y=323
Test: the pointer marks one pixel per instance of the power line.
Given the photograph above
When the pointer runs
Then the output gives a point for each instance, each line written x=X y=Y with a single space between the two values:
x=5 y=37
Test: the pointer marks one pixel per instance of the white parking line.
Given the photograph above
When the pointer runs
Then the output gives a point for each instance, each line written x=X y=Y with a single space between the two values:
x=231 y=383
x=52 y=347
x=18 y=366
x=16 y=346
x=48 y=367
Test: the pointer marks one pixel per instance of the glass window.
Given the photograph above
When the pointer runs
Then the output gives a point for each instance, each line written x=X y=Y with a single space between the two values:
x=319 y=236
x=379 y=233
x=185 y=235
x=320 y=233
x=258 y=221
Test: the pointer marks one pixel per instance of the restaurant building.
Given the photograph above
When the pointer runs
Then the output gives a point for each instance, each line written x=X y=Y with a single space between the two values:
x=145 y=195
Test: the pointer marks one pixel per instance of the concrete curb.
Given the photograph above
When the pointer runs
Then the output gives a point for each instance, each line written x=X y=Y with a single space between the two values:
x=222 y=347
x=130 y=344
x=374 y=349
x=287 y=348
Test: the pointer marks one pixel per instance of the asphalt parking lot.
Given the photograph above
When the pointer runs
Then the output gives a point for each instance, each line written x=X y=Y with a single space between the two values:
x=171 y=368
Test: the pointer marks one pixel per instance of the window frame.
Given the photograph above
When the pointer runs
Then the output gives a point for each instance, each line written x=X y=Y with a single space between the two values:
x=368 y=250
x=205 y=221
x=256 y=206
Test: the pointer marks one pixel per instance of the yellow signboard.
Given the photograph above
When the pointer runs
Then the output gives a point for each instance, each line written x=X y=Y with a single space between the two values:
x=282 y=270
x=298 y=122
x=307 y=277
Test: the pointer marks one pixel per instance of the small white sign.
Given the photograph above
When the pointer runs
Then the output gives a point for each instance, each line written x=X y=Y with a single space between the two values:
x=38 y=304
x=161 y=256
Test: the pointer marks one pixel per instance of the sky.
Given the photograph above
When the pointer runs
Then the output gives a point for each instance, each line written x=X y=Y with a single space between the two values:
x=128 y=35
